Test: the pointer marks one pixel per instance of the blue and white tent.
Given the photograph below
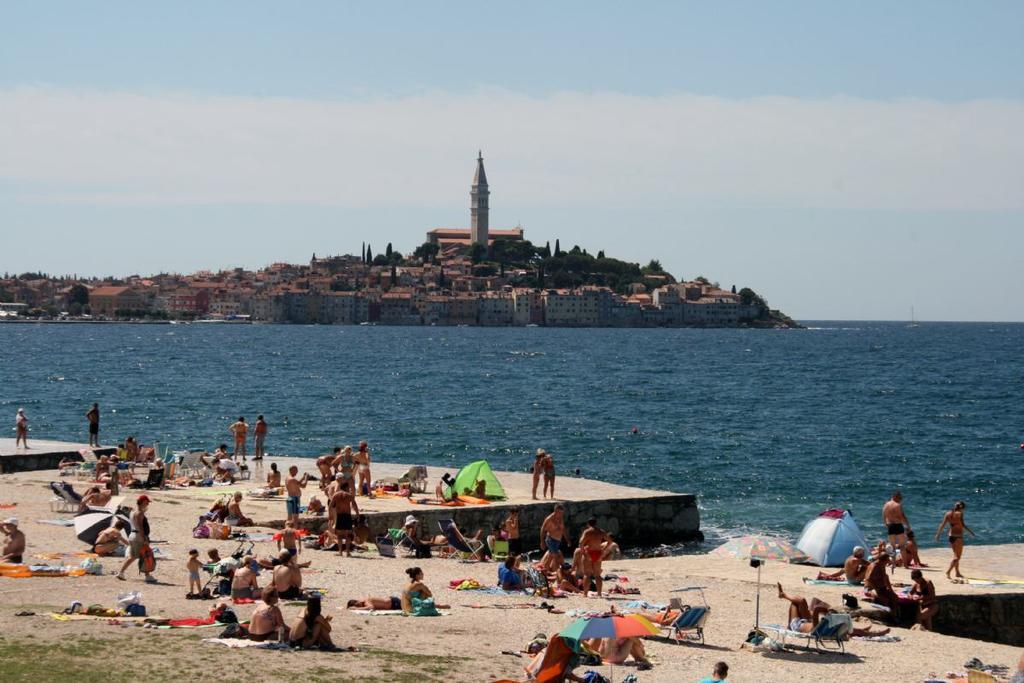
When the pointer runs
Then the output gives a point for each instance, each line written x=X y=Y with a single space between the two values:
x=829 y=538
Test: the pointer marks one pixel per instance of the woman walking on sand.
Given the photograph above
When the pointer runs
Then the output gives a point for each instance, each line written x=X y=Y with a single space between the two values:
x=955 y=519
x=21 y=429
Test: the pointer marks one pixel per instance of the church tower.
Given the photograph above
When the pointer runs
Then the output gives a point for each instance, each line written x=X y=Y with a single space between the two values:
x=478 y=209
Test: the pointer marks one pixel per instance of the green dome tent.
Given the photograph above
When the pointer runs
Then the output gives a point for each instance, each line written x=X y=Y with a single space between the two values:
x=474 y=472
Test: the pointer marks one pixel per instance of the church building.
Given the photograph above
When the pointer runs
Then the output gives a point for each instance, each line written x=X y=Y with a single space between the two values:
x=479 y=231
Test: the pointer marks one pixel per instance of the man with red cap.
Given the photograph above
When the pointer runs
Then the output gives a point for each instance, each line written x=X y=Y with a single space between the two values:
x=139 y=538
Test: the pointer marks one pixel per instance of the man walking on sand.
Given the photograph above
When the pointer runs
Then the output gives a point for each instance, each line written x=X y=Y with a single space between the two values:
x=93 y=416
x=552 y=533
x=896 y=526
x=241 y=431
x=260 y=435
x=293 y=487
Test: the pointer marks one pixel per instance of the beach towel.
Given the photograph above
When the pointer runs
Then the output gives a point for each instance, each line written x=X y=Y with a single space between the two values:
x=879 y=639
x=829 y=582
x=431 y=501
x=56 y=522
x=236 y=643
x=8 y=506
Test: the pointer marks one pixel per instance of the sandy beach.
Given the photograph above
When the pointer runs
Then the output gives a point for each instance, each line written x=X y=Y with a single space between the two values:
x=467 y=643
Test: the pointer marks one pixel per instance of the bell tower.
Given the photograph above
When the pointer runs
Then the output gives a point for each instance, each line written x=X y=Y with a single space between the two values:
x=478 y=209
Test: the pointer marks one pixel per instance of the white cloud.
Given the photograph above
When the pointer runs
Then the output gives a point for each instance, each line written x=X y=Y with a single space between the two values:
x=570 y=148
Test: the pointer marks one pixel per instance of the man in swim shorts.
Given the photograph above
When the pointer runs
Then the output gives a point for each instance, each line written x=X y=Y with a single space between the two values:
x=896 y=523
x=293 y=487
x=552 y=533
x=93 y=416
x=592 y=542
x=344 y=507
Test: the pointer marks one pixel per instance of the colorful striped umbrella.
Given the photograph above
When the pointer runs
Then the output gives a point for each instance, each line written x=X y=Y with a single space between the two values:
x=761 y=548
x=617 y=626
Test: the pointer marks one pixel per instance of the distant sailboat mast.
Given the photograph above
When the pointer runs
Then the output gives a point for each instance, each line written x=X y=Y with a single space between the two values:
x=913 y=320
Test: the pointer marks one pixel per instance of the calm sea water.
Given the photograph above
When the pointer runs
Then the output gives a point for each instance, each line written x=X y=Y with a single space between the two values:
x=766 y=427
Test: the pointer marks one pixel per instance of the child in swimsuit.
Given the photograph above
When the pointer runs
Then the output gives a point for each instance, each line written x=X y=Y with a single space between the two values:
x=193 y=565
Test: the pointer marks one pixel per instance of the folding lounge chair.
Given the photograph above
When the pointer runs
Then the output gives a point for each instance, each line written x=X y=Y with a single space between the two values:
x=538 y=580
x=690 y=620
x=400 y=539
x=155 y=479
x=385 y=546
x=469 y=548
x=500 y=550
x=833 y=627
x=64 y=497
x=192 y=463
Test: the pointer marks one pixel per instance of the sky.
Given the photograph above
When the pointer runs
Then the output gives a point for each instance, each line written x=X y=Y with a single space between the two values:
x=845 y=160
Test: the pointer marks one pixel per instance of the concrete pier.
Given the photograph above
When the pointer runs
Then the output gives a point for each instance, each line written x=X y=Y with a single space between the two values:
x=41 y=454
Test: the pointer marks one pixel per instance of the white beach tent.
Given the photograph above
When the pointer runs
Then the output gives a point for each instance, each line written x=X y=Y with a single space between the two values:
x=829 y=538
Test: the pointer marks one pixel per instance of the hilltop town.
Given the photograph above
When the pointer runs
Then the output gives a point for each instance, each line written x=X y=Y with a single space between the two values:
x=458 y=276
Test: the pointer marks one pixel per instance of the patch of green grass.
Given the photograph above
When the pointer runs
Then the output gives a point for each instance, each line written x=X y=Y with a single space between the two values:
x=26 y=660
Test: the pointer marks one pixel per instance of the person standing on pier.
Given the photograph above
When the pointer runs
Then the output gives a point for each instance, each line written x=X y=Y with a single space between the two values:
x=955 y=520
x=363 y=463
x=538 y=467
x=260 y=435
x=549 y=474
x=241 y=431
x=21 y=429
x=897 y=525
x=93 y=416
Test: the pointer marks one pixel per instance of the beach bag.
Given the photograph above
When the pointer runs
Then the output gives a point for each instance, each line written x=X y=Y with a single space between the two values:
x=201 y=530
x=135 y=610
x=147 y=561
x=219 y=532
x=125 y=599
x=422 y=551
x=424 y=608
x=92 y=566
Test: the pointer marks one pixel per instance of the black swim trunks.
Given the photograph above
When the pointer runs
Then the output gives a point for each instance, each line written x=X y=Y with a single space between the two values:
x=895 y=529
x=15 y=559
x=94 y=428
x=396 y=603
x=343 y=522
x=954 y=539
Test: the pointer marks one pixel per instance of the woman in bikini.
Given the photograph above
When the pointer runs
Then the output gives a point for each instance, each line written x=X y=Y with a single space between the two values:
x=363 y=462
x=928 y=605
x=955 y=519
x=416 y=589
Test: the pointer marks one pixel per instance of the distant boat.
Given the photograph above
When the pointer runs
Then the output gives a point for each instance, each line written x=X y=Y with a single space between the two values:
x=913 y=320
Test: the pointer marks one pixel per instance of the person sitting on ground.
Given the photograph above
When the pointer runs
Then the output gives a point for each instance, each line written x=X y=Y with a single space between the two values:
x=417 y=590
x=111 y=540
x=244 y=585
x=566 y=580
x=913 y=559
x=480 y=490
x=854 y=569
x=509 y=576
x=288 y=577
x=315 y=507
x=312 y=628
x=361 y=532
x=611 y=550
x=393 y=603
x=14 y=545
x=804 y=617
x=273 y=477
x=580 y=566
x=878 y=584
x=445 y=490
x=235 y=516
x=923 y=591
x=718 y=674
x=267 y=619
x=618 y=650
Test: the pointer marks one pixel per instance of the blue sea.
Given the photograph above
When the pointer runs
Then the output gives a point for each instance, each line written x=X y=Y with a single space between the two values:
x=767 y=427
